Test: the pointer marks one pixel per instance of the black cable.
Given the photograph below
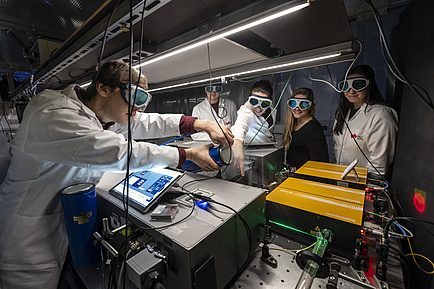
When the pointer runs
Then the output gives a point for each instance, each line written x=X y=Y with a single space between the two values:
x=130 y=111
x=246 y=226
x=397 y=73
x=130 y=135
x=166 y=226
x=212 y=110
x=85 y=72
x=239 y=179
x=105 y=37
x=390 y=61
x=6 y=120
x=394 y=197
x=357 y=144
x=193 y=181
x=140 y=53
x=415 y=220
x=217 y=210
x=331 y=115
x=172 y=224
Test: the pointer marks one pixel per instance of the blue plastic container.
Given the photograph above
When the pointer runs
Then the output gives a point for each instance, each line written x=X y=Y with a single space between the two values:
x=80 y=211
x=219 y=154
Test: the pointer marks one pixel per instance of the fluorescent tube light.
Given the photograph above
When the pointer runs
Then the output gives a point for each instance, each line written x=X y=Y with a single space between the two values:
x=225 y=34
x=85 y=84
x=283 y=65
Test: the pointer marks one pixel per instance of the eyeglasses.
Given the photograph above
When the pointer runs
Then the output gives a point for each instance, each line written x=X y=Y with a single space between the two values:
x=214 y=88
x=140 y=98
x=357 y=84
x=301 y=103
x=256 y=100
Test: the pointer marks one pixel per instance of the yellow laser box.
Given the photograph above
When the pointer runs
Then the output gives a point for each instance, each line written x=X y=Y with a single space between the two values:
x=331 y=174
x=299 y=204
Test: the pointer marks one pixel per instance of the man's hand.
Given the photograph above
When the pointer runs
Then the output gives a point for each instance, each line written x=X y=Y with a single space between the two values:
x=238 y=151
x=200 y=156
x=216 y=134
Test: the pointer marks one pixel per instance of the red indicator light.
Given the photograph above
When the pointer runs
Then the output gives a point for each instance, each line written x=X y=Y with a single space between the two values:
x=419 y=202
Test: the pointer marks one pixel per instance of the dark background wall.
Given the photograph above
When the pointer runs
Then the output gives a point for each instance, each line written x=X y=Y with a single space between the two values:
x=414 y=161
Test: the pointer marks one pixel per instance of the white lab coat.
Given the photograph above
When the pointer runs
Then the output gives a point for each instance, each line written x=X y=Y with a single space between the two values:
x=59 y=143
x=375 y=130
x=248 y=124
x=227 y=112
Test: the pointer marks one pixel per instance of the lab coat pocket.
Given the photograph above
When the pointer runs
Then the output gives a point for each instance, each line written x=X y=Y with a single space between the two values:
x=33 y=243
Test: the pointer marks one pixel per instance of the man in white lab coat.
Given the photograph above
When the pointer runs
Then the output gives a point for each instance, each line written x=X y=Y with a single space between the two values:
x=255 y=123
x=214 y=108
x=63 y=140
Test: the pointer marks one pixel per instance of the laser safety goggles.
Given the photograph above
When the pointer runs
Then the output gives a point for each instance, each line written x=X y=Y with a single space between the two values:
x=357 y=84
x=140 y=98
x=256 y=100
x=301 y=103
x=214 y=88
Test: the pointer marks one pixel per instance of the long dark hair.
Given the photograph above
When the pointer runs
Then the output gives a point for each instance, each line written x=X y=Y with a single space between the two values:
x=373 y=96
x=263 y=86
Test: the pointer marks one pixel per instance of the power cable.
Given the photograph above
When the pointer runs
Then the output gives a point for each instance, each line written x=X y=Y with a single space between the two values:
x=391 y=62
x=212 y=110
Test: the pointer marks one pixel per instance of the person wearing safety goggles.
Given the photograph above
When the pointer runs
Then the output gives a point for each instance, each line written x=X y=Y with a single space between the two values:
x=255 y=121
x=214 y=108
x=63 y=140
x=363 y=117
x=303 y=136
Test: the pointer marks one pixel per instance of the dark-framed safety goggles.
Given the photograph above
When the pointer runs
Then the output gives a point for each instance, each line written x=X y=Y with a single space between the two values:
x=301 y=103
x=357 y=84
x=140 y=98
x=213 y=88
x=256 y=100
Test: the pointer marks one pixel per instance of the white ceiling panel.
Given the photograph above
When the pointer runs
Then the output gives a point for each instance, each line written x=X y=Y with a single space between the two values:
x=223 y=53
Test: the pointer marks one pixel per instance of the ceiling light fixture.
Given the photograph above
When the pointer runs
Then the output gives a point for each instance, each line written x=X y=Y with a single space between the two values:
x=227 y=33
x=274 y=67
x=85 y=84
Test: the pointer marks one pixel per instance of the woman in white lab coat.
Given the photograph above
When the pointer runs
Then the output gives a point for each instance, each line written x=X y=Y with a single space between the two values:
x=255 y=121
x=61 y=141
x=214 y=108
x=372 y=126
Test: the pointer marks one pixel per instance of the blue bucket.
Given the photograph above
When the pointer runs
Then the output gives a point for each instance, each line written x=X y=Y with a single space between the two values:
x=80 y=211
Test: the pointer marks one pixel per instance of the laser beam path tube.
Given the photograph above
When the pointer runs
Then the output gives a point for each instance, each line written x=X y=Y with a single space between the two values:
x=311 y=267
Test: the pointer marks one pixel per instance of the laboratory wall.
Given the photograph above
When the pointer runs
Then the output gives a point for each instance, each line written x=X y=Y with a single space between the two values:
x=326 y=98
x=413 y=173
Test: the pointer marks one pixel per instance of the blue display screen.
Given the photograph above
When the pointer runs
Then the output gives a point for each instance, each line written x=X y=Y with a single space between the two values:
x=146 y=186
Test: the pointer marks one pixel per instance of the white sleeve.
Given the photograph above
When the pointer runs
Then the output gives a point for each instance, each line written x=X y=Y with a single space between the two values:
x=198 y=112
x=72 y=139
x=151 y=125
x=382 y=138
x=195 y=112
x=241 y=126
